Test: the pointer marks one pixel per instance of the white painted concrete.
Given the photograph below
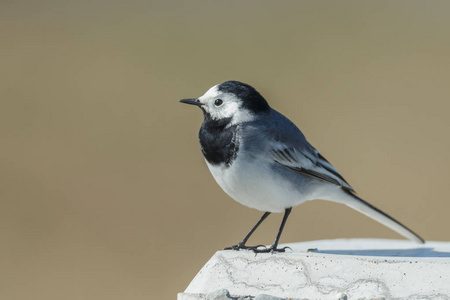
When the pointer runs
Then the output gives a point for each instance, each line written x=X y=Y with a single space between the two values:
x=339 y=269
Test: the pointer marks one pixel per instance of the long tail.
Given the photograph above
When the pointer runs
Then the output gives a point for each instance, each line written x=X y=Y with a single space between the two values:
x=371 y=211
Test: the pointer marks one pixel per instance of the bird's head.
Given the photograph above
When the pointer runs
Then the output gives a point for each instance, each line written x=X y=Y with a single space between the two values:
x=232 y=100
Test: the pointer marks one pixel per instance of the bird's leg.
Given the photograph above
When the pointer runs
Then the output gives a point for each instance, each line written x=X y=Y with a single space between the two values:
x=241 y=244
x=274 y=248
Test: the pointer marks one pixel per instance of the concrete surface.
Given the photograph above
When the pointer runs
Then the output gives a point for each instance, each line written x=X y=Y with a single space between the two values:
x=336 y=269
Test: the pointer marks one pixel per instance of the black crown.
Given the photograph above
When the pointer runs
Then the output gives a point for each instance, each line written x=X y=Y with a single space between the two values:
x=251 y=99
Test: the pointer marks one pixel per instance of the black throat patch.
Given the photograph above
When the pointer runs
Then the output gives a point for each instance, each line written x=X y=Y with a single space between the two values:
x=218 y=142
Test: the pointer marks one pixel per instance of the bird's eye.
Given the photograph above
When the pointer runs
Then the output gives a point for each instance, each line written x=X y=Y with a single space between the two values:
x=218 y=102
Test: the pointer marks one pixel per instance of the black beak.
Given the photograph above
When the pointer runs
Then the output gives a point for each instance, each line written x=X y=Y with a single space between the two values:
x=193 y=101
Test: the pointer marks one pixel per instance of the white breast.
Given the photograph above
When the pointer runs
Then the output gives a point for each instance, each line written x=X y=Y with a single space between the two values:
x=256 y=185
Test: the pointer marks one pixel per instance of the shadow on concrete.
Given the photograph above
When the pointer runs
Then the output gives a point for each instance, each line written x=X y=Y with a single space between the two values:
x=415 y=252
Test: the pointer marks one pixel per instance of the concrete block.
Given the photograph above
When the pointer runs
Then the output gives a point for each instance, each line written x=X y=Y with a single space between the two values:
x=336 y=269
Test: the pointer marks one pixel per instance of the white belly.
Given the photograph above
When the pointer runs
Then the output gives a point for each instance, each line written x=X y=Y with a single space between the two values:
x=257 y=186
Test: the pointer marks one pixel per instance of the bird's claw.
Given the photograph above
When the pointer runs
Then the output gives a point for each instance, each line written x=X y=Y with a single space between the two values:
x=271 y=249
x=244 y=247
x=257 y=249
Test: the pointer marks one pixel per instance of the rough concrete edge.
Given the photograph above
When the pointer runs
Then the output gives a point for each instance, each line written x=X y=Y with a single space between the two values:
x=225 y=295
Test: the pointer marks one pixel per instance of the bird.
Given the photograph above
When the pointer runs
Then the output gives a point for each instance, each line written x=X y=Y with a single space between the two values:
x=263 y=161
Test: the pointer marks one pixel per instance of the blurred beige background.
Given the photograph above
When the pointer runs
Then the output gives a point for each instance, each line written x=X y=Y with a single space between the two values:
x=104 y=192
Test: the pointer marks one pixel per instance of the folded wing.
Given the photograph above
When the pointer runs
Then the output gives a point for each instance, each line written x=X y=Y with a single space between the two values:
x=310 y=162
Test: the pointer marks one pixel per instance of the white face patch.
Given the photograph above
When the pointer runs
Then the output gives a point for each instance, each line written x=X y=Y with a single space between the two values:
x=231 y=106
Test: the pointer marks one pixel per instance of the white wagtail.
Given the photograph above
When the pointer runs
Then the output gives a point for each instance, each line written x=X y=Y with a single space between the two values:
x=263 y=161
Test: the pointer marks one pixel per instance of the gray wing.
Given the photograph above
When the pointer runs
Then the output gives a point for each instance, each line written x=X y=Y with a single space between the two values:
x=311 y=163
x=289 y=147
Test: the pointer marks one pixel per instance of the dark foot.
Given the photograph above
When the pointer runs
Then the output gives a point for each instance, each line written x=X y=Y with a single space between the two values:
x=271 y=249
x=244 y=247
